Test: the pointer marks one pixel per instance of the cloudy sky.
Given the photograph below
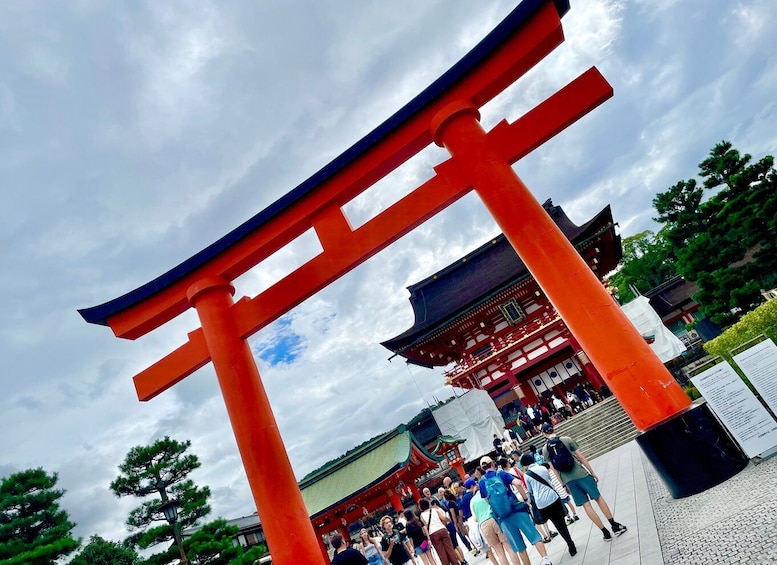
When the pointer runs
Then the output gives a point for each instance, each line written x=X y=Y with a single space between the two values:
x=134 y=134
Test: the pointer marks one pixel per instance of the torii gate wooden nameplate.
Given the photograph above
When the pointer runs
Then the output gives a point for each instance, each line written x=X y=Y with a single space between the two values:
x=446 y=113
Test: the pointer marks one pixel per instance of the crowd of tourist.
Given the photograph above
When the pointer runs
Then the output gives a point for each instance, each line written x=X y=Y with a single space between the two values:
x=551 y=408
x=501 y=507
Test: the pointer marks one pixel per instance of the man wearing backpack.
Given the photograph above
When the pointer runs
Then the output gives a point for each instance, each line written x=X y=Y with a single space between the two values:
x=511 y=514
x=574 y=470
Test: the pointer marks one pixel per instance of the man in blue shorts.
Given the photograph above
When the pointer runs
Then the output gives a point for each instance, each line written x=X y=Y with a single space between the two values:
x=574 y=470
x=518 y=522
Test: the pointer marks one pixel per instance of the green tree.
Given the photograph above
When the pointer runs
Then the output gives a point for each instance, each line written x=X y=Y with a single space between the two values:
x=728 y=243
x=34 y=530
x=102 y=552
x=213 y=545
x=647 y=261
x=678 y=209
x=160 y=469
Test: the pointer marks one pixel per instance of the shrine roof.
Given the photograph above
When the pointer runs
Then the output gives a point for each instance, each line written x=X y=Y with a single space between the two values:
x=442 y=441
x=514 y=21
x=462 y=285
x=671 y=294
x=359 y=470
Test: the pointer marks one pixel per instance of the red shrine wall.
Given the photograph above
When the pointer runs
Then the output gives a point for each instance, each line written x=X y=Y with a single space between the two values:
x=517 y=361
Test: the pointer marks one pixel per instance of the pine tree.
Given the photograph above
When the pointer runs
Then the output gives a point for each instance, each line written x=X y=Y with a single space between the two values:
x=160 y=469
x=102 y=552
x=34 y=530
x=728 y=243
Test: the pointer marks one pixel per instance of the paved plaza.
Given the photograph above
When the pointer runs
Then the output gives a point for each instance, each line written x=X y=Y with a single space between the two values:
x=735 y=522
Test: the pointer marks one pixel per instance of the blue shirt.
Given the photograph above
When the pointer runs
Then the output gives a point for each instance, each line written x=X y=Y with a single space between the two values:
x=506 y=477
x=464 y=505
x=544 y=495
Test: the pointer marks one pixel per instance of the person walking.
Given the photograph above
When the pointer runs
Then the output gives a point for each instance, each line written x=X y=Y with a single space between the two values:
x=495 y=544
x=345 y=555
x=371 y=548
x=566 y=500
x=511 y=515
x=574 y=470
x=461 y=526
x=541 y=525
x=392 y=543
x=545 y=498
x=420 y=538
x=435 y=518
x=473 y=528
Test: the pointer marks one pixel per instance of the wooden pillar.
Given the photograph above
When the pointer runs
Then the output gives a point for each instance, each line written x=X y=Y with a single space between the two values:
x=529 y=395
x=648 y=392
x=414 y=491
x=343 y=529
x=589 y=371
x=270 y=476
x=458 y=464
x=396 y=501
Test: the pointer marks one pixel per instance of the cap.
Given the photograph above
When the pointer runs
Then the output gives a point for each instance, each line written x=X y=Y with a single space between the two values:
x=547 y=428
x=486 y=461
x=469 y=483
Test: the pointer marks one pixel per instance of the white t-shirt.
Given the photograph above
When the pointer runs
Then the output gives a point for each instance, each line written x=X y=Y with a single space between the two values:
x=432 y=519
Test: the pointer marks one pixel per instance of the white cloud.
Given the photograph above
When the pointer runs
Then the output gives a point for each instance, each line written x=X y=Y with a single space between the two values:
x=134 y=136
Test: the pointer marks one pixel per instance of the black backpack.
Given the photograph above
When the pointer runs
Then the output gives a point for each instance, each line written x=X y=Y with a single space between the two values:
x=559 y=455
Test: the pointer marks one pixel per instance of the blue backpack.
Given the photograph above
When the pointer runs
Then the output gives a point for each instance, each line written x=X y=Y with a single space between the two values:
x=501 y=498
x=559 y=455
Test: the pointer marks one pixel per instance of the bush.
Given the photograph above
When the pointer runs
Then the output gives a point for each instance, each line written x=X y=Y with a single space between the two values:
x=762 y=320
x=692 y=392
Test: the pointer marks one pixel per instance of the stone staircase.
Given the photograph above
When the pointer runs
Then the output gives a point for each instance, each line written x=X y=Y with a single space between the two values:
x=597 y=430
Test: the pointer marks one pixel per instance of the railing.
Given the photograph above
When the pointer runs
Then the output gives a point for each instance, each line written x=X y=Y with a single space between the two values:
x=506 y=342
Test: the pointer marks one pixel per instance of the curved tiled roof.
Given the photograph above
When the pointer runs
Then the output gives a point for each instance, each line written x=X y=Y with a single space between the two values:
x=671 y=295
x=359 y=470
x=446 y=440
x=515 y=20
x=462 y=285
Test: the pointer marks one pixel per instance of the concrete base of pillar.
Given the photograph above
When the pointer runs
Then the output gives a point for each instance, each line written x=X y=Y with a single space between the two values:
x=692 y=452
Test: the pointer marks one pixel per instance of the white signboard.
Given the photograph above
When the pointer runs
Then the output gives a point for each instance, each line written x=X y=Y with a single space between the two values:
x=738 y=408
x=759 y=364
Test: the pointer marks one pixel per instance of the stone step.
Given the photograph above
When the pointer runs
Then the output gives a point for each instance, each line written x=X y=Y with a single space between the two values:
x=597 y=430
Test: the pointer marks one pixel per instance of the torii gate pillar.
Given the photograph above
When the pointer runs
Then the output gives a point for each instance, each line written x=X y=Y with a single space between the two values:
x=675 y=434
x=589 y=312
x=259 y=441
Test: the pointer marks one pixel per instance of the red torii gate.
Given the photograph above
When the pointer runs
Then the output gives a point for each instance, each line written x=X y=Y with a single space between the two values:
x=447 y=114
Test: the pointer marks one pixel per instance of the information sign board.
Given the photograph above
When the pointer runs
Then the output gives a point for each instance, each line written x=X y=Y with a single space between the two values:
x=737 y=407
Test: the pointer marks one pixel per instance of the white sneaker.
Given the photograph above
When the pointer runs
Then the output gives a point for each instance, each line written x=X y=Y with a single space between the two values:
x=546 y=561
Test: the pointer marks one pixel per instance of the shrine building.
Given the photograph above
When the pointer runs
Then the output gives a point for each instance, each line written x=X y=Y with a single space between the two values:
x=375 y=477
x=486 y=319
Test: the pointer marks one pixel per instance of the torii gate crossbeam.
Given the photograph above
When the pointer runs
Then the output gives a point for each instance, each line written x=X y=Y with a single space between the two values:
x=481 y=161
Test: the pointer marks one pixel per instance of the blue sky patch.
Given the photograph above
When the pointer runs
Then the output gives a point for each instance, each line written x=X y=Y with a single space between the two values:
x=283 y=347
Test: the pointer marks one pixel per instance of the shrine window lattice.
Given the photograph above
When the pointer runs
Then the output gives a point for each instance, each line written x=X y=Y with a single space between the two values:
x=512 y=312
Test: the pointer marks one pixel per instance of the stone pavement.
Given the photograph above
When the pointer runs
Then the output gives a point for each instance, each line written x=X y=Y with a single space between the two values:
x=735 y=522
